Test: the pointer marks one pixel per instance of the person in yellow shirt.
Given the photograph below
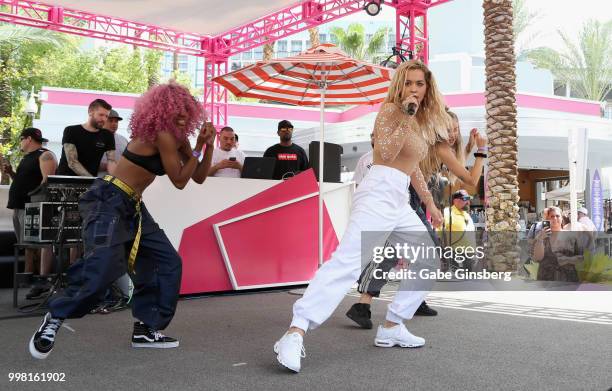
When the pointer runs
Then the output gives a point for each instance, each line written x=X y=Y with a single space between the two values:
x=458 y=228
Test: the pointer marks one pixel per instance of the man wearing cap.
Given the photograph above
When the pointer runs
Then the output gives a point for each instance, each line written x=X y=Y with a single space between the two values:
x=36 y=165
x=457 y=221
x=583 y=217
x=290 y=158
x=112 y=124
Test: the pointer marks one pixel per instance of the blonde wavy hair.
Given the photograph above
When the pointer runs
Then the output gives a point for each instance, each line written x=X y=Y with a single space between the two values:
x=432 y=119
x=460 y=152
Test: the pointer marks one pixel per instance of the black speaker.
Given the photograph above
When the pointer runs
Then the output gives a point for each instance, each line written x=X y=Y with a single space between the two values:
x=331 y=154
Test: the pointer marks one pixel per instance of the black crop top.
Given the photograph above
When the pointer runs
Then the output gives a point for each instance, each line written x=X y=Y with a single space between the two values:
x=151 y=163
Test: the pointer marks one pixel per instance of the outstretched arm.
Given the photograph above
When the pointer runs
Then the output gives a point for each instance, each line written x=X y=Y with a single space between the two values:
x=448 y=157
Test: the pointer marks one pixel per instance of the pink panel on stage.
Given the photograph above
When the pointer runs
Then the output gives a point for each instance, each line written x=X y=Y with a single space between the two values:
x=203 y=266
x=276 y=246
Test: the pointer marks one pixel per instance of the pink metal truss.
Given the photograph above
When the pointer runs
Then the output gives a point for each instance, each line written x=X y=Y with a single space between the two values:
x=411 y=17
x=33 y=14
x=215 y=96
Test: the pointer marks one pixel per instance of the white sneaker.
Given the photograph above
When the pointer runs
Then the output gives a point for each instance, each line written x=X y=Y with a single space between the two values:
x=290 y=350
x=398 y=335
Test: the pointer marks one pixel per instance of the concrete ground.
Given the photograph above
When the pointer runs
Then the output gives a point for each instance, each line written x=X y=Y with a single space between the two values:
x=477 y=342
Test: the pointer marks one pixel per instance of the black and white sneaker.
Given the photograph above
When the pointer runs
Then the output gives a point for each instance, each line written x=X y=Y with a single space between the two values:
x=425 y=310
x=360 y=314
x=144 y=337
x=41 y=343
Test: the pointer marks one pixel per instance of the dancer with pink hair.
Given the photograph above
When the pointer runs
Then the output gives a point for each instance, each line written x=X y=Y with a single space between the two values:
x=120 y=235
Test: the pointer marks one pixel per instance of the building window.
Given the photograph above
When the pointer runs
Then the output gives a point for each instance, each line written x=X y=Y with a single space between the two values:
x=323 y=38
x=308 y=45
x=333 y=39
x=391 y=40
x=296 y=47
x=281 y=48
x=258 y=53
x=248 y=55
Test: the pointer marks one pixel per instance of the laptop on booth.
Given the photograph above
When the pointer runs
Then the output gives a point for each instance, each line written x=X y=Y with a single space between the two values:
x=258 y=167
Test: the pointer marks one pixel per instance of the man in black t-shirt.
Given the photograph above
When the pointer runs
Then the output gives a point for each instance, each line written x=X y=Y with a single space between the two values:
x=290 y=158
x=84 y=145
x=36 y=165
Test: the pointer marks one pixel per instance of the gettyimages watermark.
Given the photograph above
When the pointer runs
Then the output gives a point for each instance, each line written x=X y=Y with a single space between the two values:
x=476 y=261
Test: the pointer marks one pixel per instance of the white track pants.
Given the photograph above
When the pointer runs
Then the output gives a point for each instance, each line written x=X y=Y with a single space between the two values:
x=380 y=208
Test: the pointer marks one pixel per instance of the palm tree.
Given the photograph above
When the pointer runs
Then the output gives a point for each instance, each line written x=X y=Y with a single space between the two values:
x=314 y=37
x=502 y=192
x=19 y=47
x=353 y=41
x=586 y=66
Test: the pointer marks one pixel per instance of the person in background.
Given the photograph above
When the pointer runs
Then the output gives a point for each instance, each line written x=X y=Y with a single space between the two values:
x=227 y=161
x=291 y=159
x=364 y=163
x=583 y=217
x=557 y=251
x=112 y=124
x=37 y=164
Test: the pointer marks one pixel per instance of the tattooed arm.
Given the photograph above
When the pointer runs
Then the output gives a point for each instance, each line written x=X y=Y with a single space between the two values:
x=111 y=163
x=73 y=160
x=48 y=165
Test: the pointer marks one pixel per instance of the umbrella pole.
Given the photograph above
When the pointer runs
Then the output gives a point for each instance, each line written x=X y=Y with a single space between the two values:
x=321 y=150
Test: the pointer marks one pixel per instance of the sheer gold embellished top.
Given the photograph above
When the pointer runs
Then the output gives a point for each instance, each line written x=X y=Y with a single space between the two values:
x=399 y=145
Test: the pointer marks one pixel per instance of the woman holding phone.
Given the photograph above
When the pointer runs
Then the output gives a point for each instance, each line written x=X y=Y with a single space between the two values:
x=120 y=235
x=557 y=251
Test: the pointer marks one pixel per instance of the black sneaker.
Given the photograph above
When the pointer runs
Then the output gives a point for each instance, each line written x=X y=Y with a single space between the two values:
x=425 y=310
x=41 y=343
x=144 y=337
x=360 y=314
x=38 y=292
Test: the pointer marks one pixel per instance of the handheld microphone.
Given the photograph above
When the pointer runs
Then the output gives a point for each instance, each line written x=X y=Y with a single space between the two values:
x=410 y=109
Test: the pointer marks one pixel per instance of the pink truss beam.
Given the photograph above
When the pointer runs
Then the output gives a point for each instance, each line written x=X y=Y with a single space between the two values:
x=288 y=21
x=33 y=14
x=411 y=31
x=216 y=50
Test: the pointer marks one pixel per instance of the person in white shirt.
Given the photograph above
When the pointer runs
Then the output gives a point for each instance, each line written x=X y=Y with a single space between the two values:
x=364 y=164
x=583 y=217
x=227 y=161
x=112 y=124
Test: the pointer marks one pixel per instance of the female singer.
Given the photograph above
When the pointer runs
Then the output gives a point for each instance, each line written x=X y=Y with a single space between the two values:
x=411 y=119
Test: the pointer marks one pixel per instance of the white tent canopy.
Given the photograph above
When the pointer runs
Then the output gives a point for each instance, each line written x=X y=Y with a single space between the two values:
x=192 y=16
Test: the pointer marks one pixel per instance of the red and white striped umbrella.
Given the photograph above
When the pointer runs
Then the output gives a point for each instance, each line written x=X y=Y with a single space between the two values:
x=323 y=75
x=298 y=80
